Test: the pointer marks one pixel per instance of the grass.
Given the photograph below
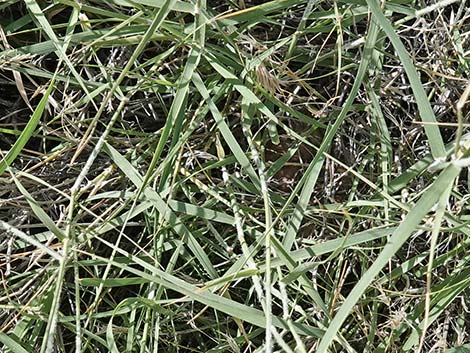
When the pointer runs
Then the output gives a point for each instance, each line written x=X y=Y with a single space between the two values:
x=238 y=176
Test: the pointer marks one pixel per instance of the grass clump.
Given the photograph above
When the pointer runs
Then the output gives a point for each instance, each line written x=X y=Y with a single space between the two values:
x=245 y=176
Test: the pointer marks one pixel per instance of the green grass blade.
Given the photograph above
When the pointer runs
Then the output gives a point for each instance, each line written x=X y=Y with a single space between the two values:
x=60 y=49
x=427 y=114
x=180 y=6
x=461 y=349
x=225 y=131
x=38 y=211
x=163 y=208
x=398 y=238
x=255 y=13
x=315 y=167
x=444 y=294
x=11 y=344
x=216 y=302
x=27 y=132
